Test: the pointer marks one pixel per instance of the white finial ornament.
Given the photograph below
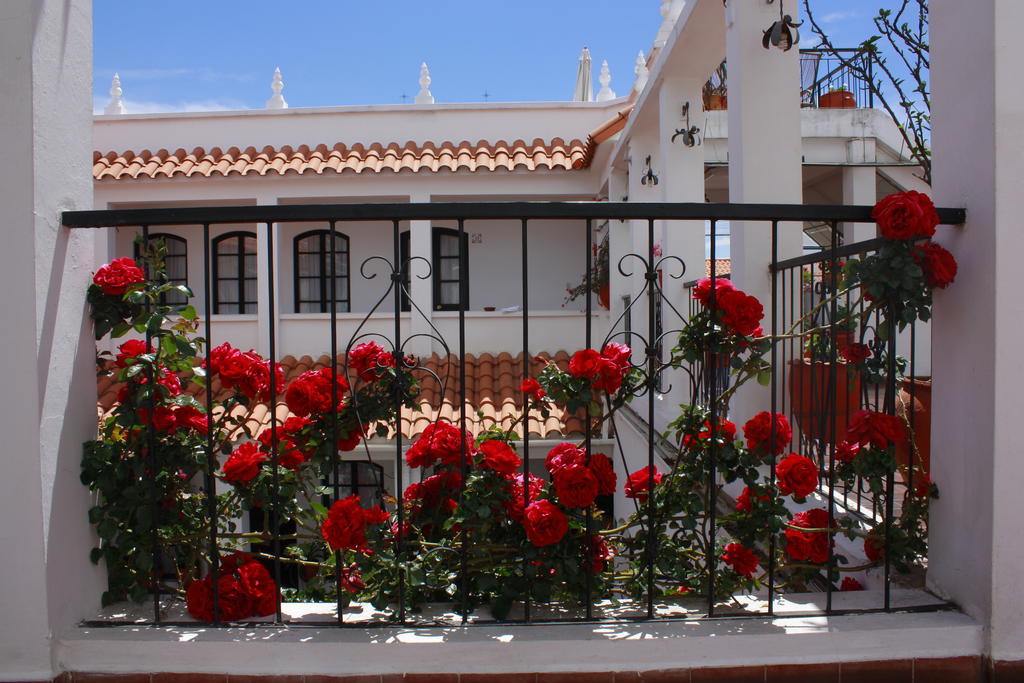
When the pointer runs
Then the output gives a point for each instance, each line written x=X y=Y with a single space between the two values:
x=605 y=79
x=667 y=21
x=424 y=96
x=641 y=72
x=277 y=100
x=116 y=106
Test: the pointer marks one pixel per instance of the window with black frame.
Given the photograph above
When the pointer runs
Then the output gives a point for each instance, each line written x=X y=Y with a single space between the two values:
x=175 y=264
x=234 y=273
x=313 y=272
x=450 y=271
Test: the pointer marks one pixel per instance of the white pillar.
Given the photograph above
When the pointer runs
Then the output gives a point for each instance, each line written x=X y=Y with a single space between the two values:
x=620 y=241
x=421 y=291
x=50 y=408
x=263 y=281
x=764 y=155
x=682 y=180
x=976 y=552
x=859 y=188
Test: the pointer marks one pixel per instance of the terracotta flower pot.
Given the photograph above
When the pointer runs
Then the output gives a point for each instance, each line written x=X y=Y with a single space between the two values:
x=837 y=99
x=811 y=392
x=717 y=102
x=921 y=409
x=604 y=296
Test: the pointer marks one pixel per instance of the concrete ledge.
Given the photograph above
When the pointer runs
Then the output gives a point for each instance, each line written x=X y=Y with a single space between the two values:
x=520 y=648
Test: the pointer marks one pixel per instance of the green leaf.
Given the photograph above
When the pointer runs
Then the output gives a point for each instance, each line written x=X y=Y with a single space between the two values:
x=764 y=378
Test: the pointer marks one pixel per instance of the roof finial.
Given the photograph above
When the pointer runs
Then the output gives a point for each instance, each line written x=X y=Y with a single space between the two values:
x=424 y=96
x=277 y=101
x=116 y=106
x=605 y=79
x=641 y=72
x=667 y=22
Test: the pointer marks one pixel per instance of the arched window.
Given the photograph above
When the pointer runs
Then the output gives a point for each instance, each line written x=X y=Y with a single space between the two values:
x=450 y=269
x=175 y=264
x=234 y=273
x=313 y=272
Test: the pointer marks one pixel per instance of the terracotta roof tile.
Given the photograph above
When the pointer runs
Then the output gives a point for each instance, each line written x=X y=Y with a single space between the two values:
x=723 y=266
x=554 y=154
x=492 y=387
x=605 y=131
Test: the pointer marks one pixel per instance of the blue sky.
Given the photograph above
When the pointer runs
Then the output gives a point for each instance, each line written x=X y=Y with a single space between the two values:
x=200 y=54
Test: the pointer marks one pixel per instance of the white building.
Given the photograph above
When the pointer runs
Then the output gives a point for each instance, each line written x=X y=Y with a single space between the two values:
x=764 y=149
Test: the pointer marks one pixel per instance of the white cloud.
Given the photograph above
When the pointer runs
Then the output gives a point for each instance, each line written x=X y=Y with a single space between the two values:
x=204 y=74
x=147 y=107
x=834 y=17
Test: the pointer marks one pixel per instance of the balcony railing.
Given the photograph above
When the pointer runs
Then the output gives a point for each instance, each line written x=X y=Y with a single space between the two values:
x=802 y=331
x=820 y=74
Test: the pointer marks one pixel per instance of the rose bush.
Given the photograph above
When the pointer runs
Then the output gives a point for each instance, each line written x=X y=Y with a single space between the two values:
x=474 y=526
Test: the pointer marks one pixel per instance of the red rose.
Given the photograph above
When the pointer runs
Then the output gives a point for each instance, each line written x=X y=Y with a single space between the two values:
x=516 y=495
x=162 y=421
x=345 y=526
x=874 y=548
x=846 y=451
x=118 y=275
x=726 y=429
x=702 y=292
x=741 y=312
x=256 y=381
x=564 y=455
x=796 y=475
x=878 y=429
x=500 y=457
x=639 y=483
x=600 y=553
x=851 y=584
x=906 y=216
x=351 y=578
x=129 y=350
x=187 y=417
x=369 y=360
x=618 y=354
x=310 y=393
x=758 y=432
x=350 y=442
x=576 y=486
x=235 y=603
x=199 y=599
x=257 y=584
x=544 y=523
x=744 y=503
x=742 y=560
x=243 y=464
x=938 y=265
x=609 y=376
x=923 y=486
x=855 y=353
x=532 y=388
x=585 y=363
x=440 y=442
x=808 y=546
x=603 y=469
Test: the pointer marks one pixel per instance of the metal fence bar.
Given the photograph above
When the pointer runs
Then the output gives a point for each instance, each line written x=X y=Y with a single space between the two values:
x=210 y=482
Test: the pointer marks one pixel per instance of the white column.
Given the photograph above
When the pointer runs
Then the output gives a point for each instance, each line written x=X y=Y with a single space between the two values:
x=421 y=290
x=682 y=180
x=50 y=406
x=620 y=241
x=976 y=553
x=263 y=280
x=859 y=188
x=764 y=155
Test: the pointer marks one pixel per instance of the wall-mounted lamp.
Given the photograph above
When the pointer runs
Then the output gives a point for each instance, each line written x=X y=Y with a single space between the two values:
x=648 y=178
x=782 y=33
x=690 y=134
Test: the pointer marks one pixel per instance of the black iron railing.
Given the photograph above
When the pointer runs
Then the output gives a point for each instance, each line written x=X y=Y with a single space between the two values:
x=799 y=286
x=844 y=84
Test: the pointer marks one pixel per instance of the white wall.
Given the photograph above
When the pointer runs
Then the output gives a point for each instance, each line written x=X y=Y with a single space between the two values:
x=976 y=549
x=49 y=406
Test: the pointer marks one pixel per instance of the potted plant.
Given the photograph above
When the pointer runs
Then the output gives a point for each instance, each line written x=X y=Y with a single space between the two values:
x=837 y=98
x=914 y=406
x=716 y=92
